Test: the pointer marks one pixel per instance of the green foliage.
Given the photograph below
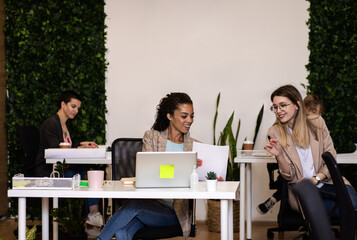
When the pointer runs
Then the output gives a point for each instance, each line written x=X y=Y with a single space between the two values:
x=227 y=137
x=31 y=233
x=71 y=217
x=333 y=69
x=211 y=175
x=52 y=46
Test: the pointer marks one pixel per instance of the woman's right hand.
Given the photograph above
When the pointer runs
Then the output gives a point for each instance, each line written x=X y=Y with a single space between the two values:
x=274 y=147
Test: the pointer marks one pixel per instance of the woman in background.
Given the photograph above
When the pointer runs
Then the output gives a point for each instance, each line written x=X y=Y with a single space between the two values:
x=170 y=132
x=53 y=131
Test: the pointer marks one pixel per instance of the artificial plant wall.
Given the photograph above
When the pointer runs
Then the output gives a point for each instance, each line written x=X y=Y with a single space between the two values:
x=52 y=46
x=333 y=68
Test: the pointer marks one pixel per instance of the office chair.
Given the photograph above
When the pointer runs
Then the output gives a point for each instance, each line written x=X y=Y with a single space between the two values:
x=123 y=165
x=314 y=211
x=288 y=219
x=348 y=215
x=29 y=137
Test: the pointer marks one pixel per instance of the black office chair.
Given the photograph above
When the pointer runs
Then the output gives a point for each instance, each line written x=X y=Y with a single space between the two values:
x=348 y=215
x=314 y=211
x=288 y=219
x=123 y=165
x=29 y=137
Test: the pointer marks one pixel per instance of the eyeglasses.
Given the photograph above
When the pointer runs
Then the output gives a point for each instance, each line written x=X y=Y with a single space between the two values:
x=282 y=107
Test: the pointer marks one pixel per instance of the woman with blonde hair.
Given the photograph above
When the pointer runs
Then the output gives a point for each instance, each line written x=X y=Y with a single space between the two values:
x=297 y=142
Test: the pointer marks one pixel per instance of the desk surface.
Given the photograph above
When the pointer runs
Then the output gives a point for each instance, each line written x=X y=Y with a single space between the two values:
x=341 y=158
x=115 y=189
x=106 y=160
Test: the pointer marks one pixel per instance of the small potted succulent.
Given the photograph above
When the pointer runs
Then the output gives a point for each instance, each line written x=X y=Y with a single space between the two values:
x=211 y=181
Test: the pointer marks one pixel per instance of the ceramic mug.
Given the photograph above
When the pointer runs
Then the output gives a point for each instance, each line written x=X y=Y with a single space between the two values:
x=95 y=179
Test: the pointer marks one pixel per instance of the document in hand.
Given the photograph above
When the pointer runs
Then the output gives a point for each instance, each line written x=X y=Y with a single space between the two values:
x=214 y=158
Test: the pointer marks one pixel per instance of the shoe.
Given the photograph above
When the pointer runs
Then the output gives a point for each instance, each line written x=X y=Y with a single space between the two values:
x=95 y=219
x=92 y=231
x=263 y=208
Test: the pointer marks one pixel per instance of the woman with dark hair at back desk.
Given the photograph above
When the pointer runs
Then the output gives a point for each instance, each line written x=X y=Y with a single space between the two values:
x=54 y=130
x=170 y=132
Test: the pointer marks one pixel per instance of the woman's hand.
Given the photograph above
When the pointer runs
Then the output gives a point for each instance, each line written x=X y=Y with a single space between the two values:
x=88 y=144
x=274 y=147
x=199 y=162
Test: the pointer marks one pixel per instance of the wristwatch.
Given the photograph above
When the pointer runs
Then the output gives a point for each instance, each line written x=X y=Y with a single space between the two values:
x=318 y=179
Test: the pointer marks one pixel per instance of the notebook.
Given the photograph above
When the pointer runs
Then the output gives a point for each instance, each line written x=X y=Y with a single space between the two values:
x=164 y=169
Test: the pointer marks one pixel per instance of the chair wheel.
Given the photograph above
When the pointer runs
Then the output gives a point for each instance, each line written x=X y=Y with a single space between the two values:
x=270 y=234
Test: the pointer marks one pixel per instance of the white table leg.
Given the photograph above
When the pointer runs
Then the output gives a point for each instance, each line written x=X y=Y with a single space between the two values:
x=22 y=218
x=230 y=219
x=249 y=201
x=242 y=202
x=54 y=223
x=45 y=219
x=224 y=219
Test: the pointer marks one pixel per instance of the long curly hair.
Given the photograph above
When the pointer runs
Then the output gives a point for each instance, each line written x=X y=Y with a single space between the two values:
x=169 y=104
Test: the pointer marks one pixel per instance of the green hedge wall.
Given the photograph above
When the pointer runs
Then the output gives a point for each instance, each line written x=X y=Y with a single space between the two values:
x=52 y=46
x=333 y=69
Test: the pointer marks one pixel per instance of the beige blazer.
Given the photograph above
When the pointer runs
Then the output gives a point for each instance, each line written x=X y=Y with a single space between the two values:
x=319 y=145
x=155 y=141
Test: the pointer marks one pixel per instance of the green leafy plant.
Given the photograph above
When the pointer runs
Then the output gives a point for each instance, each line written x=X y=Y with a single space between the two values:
x=332 y=71
x=227 y=137
x=211 y=175
x=52 y=46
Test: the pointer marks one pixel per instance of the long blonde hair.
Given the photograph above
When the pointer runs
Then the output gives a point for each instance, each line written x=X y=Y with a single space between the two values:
x=301 y=124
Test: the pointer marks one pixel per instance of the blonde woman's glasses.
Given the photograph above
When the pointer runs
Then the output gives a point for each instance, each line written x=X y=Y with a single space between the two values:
x=282 y=107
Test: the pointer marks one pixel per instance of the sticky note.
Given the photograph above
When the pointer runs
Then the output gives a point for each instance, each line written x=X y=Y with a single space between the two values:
x=167 y=171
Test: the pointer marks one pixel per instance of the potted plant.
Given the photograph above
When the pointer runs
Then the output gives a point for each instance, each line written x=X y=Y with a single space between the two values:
x=211 y=181
x=227 y=137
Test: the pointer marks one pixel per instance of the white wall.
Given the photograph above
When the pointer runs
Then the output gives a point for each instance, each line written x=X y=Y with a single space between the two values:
x=242 y=48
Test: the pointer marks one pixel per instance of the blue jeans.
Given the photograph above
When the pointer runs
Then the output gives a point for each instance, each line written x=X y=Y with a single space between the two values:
x=136 y=214
x=330 y=201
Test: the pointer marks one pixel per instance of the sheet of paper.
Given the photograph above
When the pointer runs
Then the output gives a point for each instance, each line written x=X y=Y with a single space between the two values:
x=214 y=158
x=167 y=171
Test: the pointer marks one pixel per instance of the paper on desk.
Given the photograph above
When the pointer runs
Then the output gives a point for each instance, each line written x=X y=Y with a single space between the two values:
x=214 y=158
x=61 y=153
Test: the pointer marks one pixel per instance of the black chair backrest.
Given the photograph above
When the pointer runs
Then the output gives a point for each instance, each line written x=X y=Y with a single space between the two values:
x=346 y=209
x=124 y=161
x=29 y=139
x=124 y=157
x=313 y=209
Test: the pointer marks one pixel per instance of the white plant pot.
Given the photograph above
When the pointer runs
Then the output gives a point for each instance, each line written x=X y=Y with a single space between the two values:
x=211 y=185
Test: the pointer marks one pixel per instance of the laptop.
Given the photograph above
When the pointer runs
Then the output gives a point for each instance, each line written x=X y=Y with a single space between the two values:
x=164 y=169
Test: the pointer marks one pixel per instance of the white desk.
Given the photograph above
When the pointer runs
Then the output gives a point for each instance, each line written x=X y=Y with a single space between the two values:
x=246 y=183
x=106 y=160
x=226 y=192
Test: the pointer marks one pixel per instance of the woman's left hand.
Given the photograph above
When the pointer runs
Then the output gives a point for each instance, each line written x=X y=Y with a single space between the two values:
x=88 y=144
x=199 y=162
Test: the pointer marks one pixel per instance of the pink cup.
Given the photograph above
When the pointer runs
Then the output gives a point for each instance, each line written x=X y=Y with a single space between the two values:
x=95 y=179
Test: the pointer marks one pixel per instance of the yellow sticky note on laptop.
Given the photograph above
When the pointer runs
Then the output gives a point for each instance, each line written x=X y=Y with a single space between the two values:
x=167 y=171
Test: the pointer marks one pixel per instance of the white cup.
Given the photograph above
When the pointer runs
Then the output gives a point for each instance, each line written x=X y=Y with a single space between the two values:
x=95 y=179
x=65 y=145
